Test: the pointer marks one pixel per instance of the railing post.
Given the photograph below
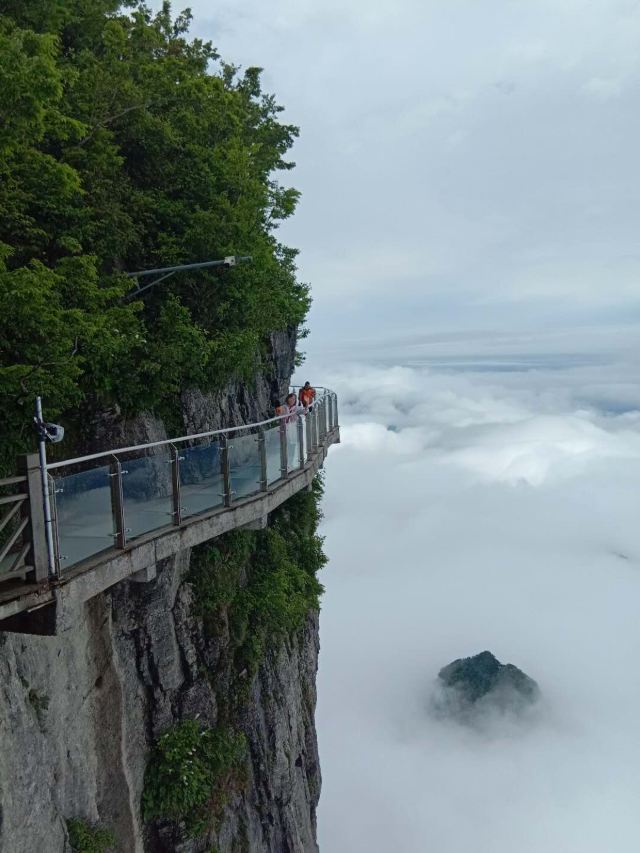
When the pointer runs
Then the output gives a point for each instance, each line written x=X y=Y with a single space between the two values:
x=226 y=469
x=329 y=412
x=29 y=465
x=283 y=448
x=53 y=504
x=309 y=428
x=314 y=427
x=301 y=440
x=336 y=422
x=175 y=484
x=262 y=453
x=117 y=503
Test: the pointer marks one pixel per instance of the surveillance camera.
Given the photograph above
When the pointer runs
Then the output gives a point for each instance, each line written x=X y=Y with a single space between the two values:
x=230 y=261
x=54 y=432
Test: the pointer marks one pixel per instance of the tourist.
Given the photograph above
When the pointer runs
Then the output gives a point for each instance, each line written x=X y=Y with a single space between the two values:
x=307 y=395
x=291 y=406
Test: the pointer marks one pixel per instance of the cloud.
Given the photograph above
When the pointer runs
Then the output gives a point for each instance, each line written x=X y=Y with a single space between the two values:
x=468 y=510
x=604 y=88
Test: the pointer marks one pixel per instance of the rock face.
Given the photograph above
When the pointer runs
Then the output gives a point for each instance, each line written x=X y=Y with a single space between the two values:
x=471 y=687
x=236 y=404
x=80 y=711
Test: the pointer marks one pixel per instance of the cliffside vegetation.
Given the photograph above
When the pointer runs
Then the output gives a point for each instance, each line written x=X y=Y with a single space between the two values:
x=127 y=145
x=85 y=838
x=190 y=774
x=251 y=590
x=255 y=588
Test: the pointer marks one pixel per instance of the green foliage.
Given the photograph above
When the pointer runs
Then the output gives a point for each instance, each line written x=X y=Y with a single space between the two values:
x=190 y=773
x=125 y=145
x=260 y=585
x=85 y=838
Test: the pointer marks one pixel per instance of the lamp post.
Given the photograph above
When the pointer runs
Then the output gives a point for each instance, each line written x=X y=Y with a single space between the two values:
x=53 y=433
x=165 y=272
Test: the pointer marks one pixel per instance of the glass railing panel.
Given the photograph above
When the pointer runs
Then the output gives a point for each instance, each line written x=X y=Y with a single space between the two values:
x=201 y=482
x=147 y=493
x=244 y=465
x=293 y=446
x=272 y=447
x=84 y=514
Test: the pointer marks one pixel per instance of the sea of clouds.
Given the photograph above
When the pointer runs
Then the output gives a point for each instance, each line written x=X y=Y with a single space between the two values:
x=479 y=504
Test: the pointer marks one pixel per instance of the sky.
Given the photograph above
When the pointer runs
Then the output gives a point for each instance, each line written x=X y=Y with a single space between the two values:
x=463 y=165
x=469 y=225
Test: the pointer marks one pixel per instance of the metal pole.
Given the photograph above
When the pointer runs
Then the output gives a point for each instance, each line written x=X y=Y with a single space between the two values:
x=309 y=428
x=117 y=503
x=46 y=500
x=226 y=470
x=231 y=261
x=283 y=449
x=166 y=272
x=301 y=441
x=314 y=428
x=175 y=484
x=262 y=453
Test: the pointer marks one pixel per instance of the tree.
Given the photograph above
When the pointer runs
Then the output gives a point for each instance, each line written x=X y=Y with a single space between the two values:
x=124 y=144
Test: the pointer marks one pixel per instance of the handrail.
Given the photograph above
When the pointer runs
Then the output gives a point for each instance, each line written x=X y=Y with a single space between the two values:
x=107 y=505
x=167 y=441
x=99 y=513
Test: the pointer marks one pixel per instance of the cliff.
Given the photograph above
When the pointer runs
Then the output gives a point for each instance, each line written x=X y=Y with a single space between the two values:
x=81 y=713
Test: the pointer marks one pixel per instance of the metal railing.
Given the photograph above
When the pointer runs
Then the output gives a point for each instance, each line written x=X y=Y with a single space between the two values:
x=107 y=500
x=14 y=521
x=22 y=546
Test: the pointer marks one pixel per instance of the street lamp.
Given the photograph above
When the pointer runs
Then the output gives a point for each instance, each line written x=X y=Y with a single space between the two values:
x=53 y=433
x=165 y=272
